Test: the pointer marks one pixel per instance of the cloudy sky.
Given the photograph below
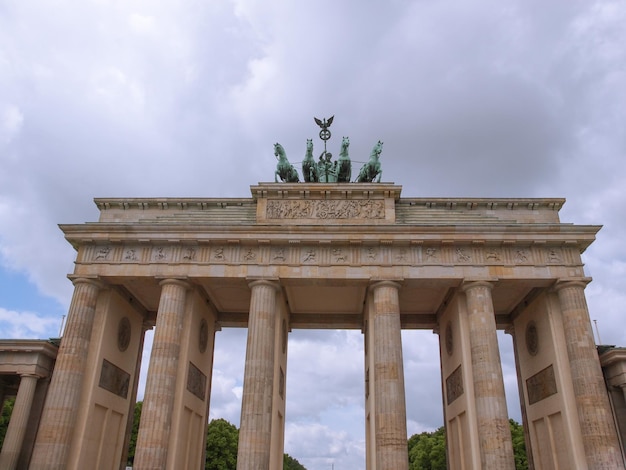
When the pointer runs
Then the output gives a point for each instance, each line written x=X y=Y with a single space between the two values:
x=506 y=98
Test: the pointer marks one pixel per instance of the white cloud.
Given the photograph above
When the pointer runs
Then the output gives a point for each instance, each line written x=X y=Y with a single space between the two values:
x=26 y=325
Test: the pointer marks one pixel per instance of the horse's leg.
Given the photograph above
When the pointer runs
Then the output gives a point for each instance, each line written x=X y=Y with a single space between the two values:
x=276 y=174
x=380 y=174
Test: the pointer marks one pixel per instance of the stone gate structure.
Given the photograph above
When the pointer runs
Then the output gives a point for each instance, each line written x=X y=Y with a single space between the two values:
x=327 y=256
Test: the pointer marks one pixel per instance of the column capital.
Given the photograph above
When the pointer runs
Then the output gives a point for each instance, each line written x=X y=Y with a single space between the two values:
x=471 y=283
x=376 y=283
x=94 y=281
x=175 y=281
x=571 y=282
x=271 y=282
x=28 y=374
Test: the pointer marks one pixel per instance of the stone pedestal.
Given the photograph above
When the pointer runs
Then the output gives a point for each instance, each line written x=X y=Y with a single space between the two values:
x=61 y=408
x=390 y=404
x=17 y=426
x=594 y=412
x=256 y=409
x=158 y=405
x=496 y=447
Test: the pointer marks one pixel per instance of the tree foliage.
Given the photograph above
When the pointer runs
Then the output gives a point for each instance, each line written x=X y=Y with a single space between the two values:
x=7 y=409
x=133 y=434
x=519 y=445
x=289 y=463
x=427 y=450
x=221 y=445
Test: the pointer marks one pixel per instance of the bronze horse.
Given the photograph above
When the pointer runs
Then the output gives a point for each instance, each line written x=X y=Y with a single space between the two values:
x=284 y=169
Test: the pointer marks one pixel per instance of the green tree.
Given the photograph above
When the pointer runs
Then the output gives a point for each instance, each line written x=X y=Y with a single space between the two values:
x=7 y=409
x=519 y=445
x=221 y=445
x=289 y=463
x=427 y=450
x=133 y=434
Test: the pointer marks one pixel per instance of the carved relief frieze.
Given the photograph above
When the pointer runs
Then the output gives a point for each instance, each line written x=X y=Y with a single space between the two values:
x=432 y=255
x=278 y=255
x=462 y=255
x=541 y=385
x=103 y=253
x=114 y=379
x=161 y=254
x=329 y=253
x=402 y=255
x=371 y=255
x=189 y=254
x=217 y=254
x=521 y=256
x=131 y=254
x=492 y=255
x=196 y=381
x=339 y=255
x=454 y=385
x=325 y=209
x=553 y=256
x=309 y=255
x=250 y=255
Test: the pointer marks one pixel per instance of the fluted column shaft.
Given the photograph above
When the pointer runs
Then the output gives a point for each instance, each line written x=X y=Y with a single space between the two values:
x=17 y=425
x=258 y=383
x=390 y=403
x=494 y=435
x=158 y=403
x=59 y=413
x=594 y=412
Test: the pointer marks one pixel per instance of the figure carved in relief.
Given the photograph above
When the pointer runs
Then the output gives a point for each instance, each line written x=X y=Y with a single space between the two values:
x=431 y=253
x=190 y=254
x=219 y=253
x=250 y=255
x=130 y=255
x=521 y=256
x=160 y=253
x=279 y=254
x=553 y=256
x=310 y=255
x=338 y=254
x=462 y=255
x=103 y=253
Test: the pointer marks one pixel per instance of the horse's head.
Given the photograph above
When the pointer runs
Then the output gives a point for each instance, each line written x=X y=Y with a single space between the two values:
x=309 y=145
x=345 y=143
x=378 y=148
x=279 y=151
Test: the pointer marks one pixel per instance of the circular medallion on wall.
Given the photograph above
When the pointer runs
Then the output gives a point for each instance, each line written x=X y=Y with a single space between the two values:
x=532 y=338
x=203 y=335
x=123 y=334
x=448 y=339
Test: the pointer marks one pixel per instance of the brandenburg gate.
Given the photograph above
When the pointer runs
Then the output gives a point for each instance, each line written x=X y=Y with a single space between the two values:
x=326 y=255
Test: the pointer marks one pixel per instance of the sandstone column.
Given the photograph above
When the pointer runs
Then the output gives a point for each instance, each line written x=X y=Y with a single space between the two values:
x=389 y=404
x=61 y=407
x=594 y=412
x=496 y=447
x=158 y=403
x=17 y=425
x=258 y=384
